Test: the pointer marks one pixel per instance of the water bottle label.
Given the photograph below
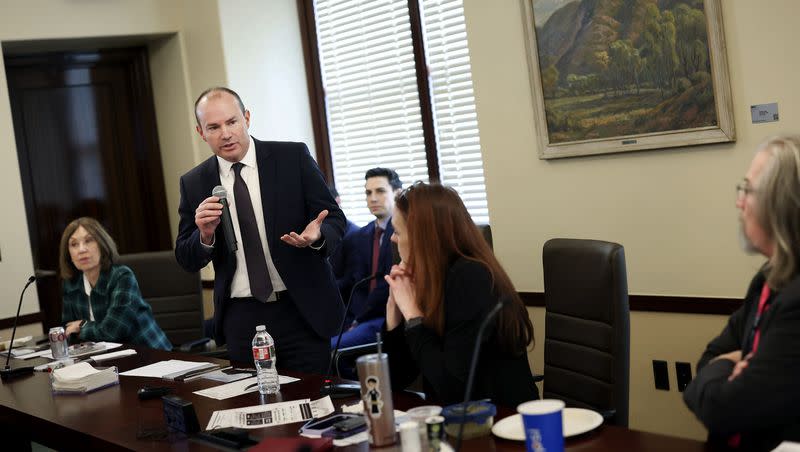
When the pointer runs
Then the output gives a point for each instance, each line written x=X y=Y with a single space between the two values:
x=260 y=353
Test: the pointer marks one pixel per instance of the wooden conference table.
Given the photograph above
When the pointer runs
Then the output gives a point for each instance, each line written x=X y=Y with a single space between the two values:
x=115 y=419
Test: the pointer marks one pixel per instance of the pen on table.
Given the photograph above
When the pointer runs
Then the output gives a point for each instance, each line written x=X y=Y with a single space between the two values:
x=198 y=374
x=195 y=373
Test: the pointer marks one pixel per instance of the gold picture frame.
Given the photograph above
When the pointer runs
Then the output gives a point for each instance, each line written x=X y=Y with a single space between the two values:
x=627 y=86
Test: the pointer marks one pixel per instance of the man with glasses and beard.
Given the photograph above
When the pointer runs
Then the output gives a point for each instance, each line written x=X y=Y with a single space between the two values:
x=746 y=391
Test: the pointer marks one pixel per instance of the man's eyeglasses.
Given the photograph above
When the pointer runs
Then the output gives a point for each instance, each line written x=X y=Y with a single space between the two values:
x=743 y=189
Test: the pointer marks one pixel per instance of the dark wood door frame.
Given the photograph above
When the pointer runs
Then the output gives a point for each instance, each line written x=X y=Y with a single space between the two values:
x=133 y=204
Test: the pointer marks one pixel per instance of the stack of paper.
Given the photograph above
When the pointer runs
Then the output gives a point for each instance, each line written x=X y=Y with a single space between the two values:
x=82 y=377
x=173 y=369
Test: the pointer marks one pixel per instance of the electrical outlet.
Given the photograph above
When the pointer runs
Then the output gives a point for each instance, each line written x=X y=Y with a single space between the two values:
x=683 y=373
x=661 y=375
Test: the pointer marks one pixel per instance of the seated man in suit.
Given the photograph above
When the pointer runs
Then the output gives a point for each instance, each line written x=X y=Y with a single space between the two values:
x=746 y=390
x=367 y=252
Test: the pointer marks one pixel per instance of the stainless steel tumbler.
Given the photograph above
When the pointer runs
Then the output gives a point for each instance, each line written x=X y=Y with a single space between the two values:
x=376 y=392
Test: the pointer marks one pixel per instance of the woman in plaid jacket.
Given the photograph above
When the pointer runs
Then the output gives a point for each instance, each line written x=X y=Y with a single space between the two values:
x=102 y=301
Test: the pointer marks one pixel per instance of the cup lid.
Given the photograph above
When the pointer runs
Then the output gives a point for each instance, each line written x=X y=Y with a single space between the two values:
x=544 y=406
x=372 y=357
x=477 y=411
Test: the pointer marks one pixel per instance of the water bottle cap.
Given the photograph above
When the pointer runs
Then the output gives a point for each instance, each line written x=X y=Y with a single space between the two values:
x=261 y=328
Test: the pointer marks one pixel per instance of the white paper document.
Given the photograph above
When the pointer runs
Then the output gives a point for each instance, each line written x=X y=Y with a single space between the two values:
x=112 y=355
x=162 y=368
x=35 y=354
x=787 y=446
x=238 y=388
x=271 y=414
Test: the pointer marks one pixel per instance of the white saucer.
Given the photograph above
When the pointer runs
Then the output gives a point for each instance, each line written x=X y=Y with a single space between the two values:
x=576 y=421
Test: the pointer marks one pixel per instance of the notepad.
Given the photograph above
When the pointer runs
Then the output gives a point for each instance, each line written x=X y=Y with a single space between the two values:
x=82 y=377
x=171 y=368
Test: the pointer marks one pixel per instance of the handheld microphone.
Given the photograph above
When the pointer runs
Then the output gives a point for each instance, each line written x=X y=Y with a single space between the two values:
x=473 y=364
x=344 y=389
x=226 y=222
x=7 y=372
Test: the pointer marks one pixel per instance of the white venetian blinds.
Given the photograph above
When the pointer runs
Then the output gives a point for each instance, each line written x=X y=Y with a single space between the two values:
x=373 y=110
x=455 y=120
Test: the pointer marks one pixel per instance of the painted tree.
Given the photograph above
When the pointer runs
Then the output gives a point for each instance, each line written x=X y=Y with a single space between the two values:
x=658 y=48
x=691 y=45
x=625 y=64
x=549 y=81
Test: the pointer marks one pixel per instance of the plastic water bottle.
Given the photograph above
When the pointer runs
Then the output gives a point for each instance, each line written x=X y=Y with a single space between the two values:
x=265 y=359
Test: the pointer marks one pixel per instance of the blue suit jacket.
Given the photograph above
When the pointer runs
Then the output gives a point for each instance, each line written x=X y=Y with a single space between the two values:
x=357 y=248
x=339 y=257
x=293 y=192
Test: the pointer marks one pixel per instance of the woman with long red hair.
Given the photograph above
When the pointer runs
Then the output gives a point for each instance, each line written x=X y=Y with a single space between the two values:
x=446 y=284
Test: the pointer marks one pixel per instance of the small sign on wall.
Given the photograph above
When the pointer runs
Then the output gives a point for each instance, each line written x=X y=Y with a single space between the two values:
x=764 y=112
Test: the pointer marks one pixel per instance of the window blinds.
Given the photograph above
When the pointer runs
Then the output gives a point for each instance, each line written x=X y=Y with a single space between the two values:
x=372 y=102
x=455 y=119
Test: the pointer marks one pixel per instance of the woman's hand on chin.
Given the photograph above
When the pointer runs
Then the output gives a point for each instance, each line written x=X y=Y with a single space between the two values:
x=402 y=290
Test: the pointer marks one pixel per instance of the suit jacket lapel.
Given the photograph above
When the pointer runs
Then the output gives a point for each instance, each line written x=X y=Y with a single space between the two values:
x=211 y=174
x=267 y=175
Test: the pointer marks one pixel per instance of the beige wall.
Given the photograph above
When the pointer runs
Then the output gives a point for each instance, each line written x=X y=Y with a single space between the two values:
x=264 y=58
x=673 y=210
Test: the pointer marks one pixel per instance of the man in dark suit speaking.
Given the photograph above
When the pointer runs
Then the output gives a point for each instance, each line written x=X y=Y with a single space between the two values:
x=285 y=222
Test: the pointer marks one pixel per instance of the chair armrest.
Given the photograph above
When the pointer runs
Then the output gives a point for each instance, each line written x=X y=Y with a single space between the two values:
x=188 y=346
x=608 y=415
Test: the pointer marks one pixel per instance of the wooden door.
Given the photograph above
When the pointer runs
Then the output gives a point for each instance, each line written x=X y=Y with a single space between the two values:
x=87 y=146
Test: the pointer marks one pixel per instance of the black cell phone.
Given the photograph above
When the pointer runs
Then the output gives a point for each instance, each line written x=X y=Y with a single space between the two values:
x=350 y=424
x=319 y=426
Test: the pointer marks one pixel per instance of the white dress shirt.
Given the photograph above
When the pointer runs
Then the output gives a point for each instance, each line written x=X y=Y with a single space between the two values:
x=240 y=286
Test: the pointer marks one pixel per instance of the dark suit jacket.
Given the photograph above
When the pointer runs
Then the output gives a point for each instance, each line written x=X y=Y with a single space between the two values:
x=444 y=360
x=293 y=192
x=338 y=257
x=357 y=249
x=763 y=402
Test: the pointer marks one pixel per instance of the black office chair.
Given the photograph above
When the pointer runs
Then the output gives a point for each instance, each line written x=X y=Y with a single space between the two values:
x=587 y=326
x=176 y=297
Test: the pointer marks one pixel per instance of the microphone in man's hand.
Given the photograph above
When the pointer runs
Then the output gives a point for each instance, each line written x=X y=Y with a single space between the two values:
x=473 y=364
x=344 y=389
x=7 y=372
x=225 y=221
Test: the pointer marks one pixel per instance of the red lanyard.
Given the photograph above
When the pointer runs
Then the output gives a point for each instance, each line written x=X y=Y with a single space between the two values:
x=762 y=306
x=735 y=440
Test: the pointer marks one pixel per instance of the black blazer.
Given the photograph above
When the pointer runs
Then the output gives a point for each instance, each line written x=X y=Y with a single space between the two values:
x=763 y=402
x=444 y=360
x=293 y=192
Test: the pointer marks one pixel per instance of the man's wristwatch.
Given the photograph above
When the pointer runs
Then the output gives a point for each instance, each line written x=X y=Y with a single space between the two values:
x=413 y=323
x=83 y=322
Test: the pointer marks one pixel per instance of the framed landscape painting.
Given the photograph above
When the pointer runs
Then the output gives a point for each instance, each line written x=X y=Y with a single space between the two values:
x=627 y=75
